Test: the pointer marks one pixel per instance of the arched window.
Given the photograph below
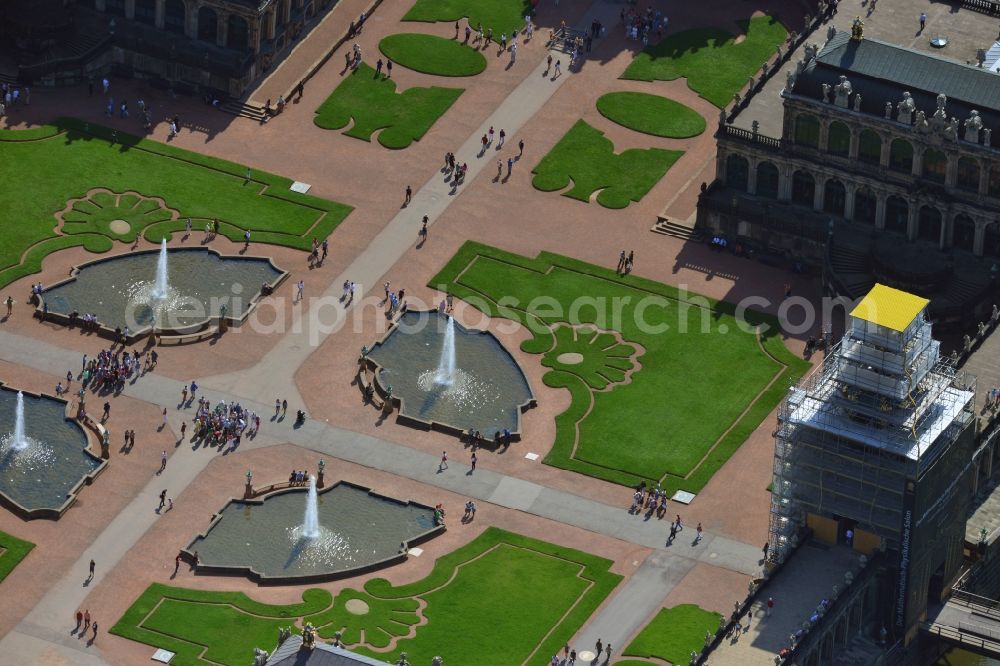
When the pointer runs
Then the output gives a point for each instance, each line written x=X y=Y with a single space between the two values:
x=145 y=11
x=869 y=147
x=737 y=172
x=935 y=165
x=968 y=174
x=838 y=139
x=963 y=233
x=208 y=24
x=897 y=213
x=807 y=130
x=864 y=206
x=991 y=240
x=174 y=15
x=995 y=179
x=767 y=180
x=237 y=35
x=803 y=188
x=834 y=197
x=929 y=224
x=901 y=156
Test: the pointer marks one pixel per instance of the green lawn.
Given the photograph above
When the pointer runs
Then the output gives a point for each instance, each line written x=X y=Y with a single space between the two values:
x=12 y=551
x=586 y=159
x=373 y=103
x=501 y=15
x=715 y=66
x=153 y=186
x=433 y=55
x=684 y=409
x=651 y=114
x=673 y=635
x=501 y=599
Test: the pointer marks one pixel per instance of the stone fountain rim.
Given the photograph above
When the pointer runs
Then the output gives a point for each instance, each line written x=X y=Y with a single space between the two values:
x=441 y=426
x=263 y=579
x=107 y=332
x=54 y=513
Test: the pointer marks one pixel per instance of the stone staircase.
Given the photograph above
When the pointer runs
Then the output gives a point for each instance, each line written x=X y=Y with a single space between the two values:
x=248 y=109
x=852 y=268
x=677 y=229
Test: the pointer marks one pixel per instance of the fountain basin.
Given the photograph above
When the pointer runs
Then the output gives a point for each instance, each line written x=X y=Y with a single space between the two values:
x=119 y=291
x=490 y=391
x=360 y=531
x=42 y=480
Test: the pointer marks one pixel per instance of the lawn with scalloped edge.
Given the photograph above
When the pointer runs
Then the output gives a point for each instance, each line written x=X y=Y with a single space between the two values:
x=715 y=66
x=64 y=161
x=520 y=598
x=12 y=551
x=651 y=114
x=501 y=15
x=679 y=416
x=429 y=54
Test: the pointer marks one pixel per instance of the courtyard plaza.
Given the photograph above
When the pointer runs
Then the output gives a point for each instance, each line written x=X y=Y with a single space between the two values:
x=134 y=546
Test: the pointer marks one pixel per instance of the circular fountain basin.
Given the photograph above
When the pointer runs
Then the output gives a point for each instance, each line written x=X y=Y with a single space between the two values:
x=359 y=531
x=39 y=480
x=488 y=391
x=120 y=291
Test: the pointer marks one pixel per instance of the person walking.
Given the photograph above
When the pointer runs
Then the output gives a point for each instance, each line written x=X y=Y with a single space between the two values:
x=93 y=565
x=697 y=538
x=503 y=135
x=510 y=165
x=443 y=465
x=600 y=646
x=474 y=460
x=300 y=290
x=923 y=21
x=520 y=148
x=163 y=499
x=86 y=619
x=499 y=169
x=388 y=69
x=163 y=460
x=770 y=606
x=409 y=195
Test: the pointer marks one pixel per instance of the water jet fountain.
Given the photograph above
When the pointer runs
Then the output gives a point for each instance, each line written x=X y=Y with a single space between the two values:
x=310 y=523
x=446 y=365
x=19 y=441
x=161 y=288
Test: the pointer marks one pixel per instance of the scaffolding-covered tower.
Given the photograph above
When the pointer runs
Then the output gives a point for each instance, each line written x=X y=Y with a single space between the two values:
x=874 y=445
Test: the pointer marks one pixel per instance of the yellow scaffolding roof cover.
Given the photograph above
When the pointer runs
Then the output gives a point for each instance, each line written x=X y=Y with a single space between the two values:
x=889 y=308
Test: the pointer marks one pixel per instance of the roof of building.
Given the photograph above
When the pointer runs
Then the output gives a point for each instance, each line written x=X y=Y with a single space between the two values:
x=880 y=72
x=912 y=69
x=890 y=308
x=290 y=653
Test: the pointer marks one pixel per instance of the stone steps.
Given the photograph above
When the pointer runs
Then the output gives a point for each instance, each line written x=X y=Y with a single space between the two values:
x=667 y=227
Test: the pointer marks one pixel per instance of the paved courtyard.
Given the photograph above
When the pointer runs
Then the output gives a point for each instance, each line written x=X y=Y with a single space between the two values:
x=306 y=353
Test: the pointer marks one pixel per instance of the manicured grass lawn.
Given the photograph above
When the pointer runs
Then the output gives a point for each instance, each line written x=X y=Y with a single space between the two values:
x=12 y=551
x=674 y=634
x=373 y=103
x=60 y=162
x=651 y=114
x=501 y=15
x=499 y=600
x=715 y=66
x=699 y=384
x=587 y=159
x=433 y=55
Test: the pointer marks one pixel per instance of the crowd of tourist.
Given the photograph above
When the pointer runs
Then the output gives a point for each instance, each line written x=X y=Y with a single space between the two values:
x=640 y=25
x=225 y=424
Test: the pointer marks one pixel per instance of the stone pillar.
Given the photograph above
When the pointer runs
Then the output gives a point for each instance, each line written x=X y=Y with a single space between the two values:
x=161 y=13
x=191 y=20
x=222 y=30
x=880 y=198
x=286 y=15
x=989 y=461
x=752 y=177
x=918 y=160
x=977 y=245
x=911 y=220
x=975 y=478
x=720 y=164
x=951 y=171
x=946 y=226
x=819 y=191
x=886 y=150
x=255 y=31
x=272 y=18
x=824 y=134
x=984 y=178
x=130 y=9
x=855 y=140
x=849 y=191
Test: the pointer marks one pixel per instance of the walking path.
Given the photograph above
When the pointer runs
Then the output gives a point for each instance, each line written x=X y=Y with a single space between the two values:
x=51 y=617
x=275 y=373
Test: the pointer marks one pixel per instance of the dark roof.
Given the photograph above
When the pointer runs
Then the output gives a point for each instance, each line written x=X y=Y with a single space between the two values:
x=882 y=72
x=912 y=69
x=290 y=653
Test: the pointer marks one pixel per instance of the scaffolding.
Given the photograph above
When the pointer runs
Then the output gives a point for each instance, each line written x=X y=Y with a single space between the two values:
x=881 y=408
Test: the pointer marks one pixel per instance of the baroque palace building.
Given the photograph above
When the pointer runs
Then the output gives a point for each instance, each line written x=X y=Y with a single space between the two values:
x=217 y=47
x=885 y=172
